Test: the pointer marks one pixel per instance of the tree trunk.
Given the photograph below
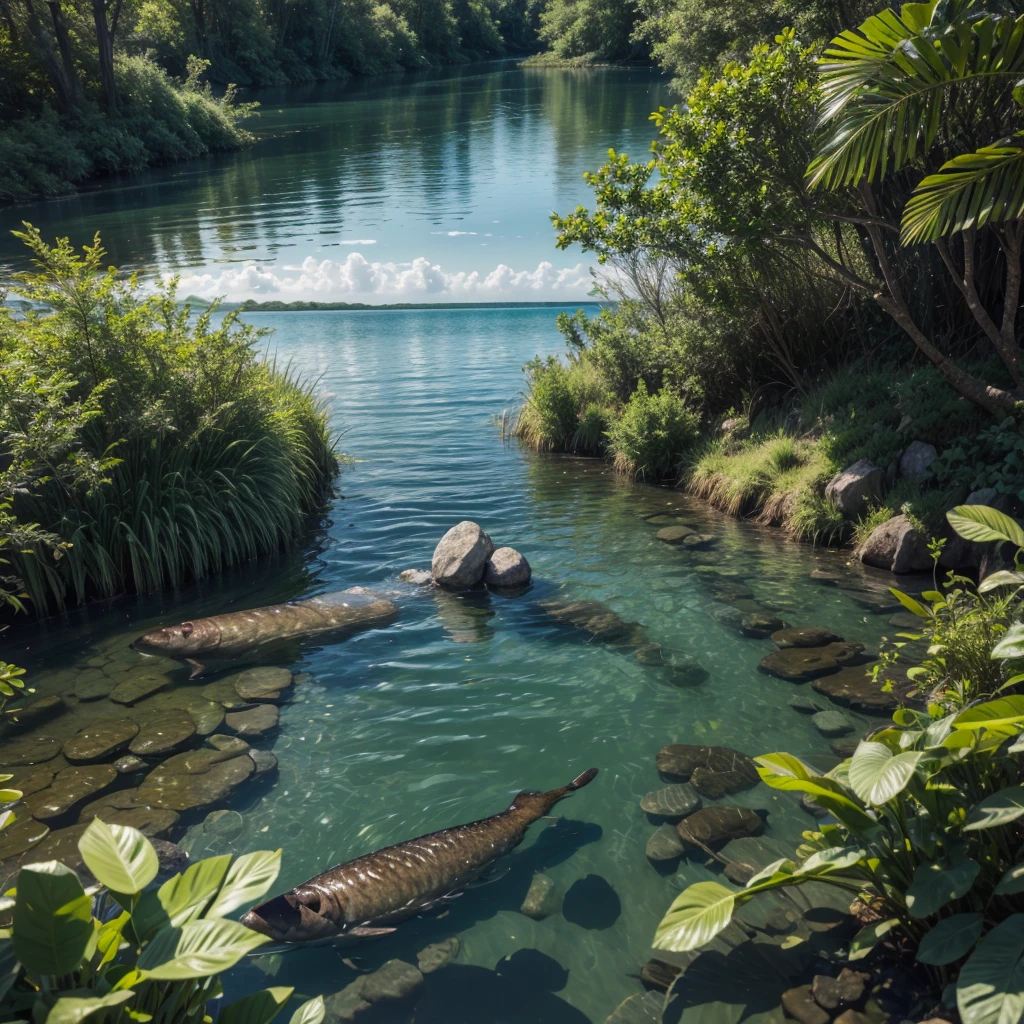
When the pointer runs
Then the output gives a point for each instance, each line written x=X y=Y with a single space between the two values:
x=105 y=45
x=62 y=74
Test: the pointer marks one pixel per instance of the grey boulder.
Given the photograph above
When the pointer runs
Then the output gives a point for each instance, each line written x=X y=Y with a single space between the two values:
x=851 y=489
x=896 y=545
x=461 y=556
x=507 y=568
x=914 y=462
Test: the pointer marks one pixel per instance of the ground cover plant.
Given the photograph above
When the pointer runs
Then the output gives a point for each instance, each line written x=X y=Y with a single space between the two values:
x=143 y=446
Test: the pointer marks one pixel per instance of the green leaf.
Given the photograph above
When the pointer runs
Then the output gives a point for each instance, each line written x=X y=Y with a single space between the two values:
x=934 y=885
x=1012 y=881
x=983 y=525
x=785 y=772
x=869 y=936
x=997 y=809
x=120 y=857
x=836 y=858
x=950 y=939
x=72 y=1009
x=1001 y=716
x=909 y=603
x=1003 y=578
x=310 y=1012
x=990 y=989
x=249 y=877
x=52 y=919
x=877 y=774
x=696 y=916
x=257 y=1008
x=203 y=948
x=182 y=898
x=781 y=866
x=1010 y=644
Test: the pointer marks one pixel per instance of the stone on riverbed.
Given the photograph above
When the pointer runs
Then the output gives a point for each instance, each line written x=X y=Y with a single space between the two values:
x=805 y=636
x=699 y=541
x=70 y=787
x=161 y=733
x=437 y=955
x=20 y=836
x=26 y=750
x=726 y=615
x=263 y=684
x=100 y=740
x=197 y=778
x=417 y=577
x=540 y=899
x=138 y=686
x=126 y=807
x=853 y=688
x=253 y=722
x=92 y=684
x=598 y=620
x=223 y=692
x=799 y=664
x=760 y=624
x=461 y=556
x=29 y=780
x=671 y=802
x=683 y=669
x=659 y=974
x=128 y=764
x=507 y=569
x=38 y=711
x=715 y=785
x=395 y=983
x=806 y=706
x=665 y=844
x=682 y=760
x=206 y=715
x=845 y=747
x=729 y=591
x=714 y=825
x=264 y=760
x=832 y=723
x=673 y=534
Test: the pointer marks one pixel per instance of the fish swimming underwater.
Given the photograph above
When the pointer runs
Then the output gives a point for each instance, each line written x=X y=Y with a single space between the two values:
x=366 y=897
x=237 y=633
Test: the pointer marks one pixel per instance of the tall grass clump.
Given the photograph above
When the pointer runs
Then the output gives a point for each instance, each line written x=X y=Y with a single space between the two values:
x=212 y=455
x=652 y=434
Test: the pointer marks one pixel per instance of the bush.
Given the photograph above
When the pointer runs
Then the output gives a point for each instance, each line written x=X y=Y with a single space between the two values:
x=652 y=434
x=210 y=456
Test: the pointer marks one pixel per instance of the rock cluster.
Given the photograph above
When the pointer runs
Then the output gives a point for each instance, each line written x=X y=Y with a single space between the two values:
x=466 y=556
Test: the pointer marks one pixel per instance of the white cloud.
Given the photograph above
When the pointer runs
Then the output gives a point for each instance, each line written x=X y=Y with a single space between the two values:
x=357 y=279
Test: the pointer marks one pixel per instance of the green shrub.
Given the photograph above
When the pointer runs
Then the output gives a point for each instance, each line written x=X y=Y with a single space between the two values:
x=993 y=457
x=219 y=456
x=817 y=519
x=652 y=434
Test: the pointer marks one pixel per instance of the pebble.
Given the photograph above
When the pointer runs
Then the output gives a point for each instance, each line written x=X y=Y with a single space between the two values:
x=832 y=723
x=28 y=750
x=800 y=1006
x=138 y=687
x=161 y=733
x=265 y=762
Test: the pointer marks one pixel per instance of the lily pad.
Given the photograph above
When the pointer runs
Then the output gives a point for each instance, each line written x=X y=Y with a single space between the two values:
x=100 y=740
x=671 y=802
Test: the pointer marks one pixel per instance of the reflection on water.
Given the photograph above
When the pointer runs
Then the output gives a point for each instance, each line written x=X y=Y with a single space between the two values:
x=461 y=166
x=442 y=716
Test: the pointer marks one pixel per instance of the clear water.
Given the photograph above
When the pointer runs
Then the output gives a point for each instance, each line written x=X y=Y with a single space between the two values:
x=441 y=717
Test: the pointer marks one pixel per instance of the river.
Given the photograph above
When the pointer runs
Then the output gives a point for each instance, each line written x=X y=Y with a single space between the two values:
x=442 y=716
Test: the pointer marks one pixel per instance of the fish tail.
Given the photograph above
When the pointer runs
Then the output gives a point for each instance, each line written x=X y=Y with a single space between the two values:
x=541 y=803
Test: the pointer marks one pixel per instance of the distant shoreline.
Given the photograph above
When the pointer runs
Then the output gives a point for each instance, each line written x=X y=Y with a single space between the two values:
x=252 y=306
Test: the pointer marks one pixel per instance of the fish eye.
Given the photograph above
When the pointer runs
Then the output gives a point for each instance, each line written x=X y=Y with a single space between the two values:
x=186 y=629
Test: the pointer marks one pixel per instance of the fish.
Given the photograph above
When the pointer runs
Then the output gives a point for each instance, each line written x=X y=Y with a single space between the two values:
x=366 y=897
x=235 y=634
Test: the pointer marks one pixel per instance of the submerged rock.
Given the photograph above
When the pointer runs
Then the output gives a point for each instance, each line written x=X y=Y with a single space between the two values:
x=138 y=686
x=126 y=807
x=92 y=684
x=395 y=983
x=162 y=732
x=27 y=750
x=29 y=780
x=683 y=760
x=38 y=711
x=128 y=764
x=665 y=844
x=726 y=615
x=832 y=723
x=461 y=556
x=223 y=692
x=716 y=784
x=711 y=826
x=100 y=740
x=263 y=684
x=417 y=577
x=699 y=541
x=70 y=787
x=658 y=975
x=197 y=778
x=507 y=569
x=541 y=899
x=845 y=747
x=671 y=802
x=729 y=591
x=673 y=534
x=804 y=705
x=682 y=669
x=265 y=762
x=20 y=836
x=760 y=624
x=170 y=856
x=206 y=715
x=853 y=688
x=805 y=636
x=799 y=664
x=253 y=722
x=437 y=955
x=598 y=620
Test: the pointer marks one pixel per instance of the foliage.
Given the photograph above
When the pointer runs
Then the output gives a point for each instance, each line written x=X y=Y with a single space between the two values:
x=927 y=816
x=208 y=454
x=993 y=457
x=135 y=951
x=591 y=29
x=651 y=434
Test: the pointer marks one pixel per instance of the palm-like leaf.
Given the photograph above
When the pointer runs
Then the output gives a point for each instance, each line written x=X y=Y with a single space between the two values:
x=887 y=85
x=968 y=191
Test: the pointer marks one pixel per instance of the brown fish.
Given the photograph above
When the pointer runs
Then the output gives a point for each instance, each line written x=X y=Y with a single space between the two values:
x=236 y=633
x=367 y=896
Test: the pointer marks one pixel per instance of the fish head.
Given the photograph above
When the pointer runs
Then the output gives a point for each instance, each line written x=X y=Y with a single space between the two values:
x=179 y=641
x=292 y=917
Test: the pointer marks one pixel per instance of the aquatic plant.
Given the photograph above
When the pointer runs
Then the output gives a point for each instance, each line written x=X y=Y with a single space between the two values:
x=185 y=452
x=126 y=951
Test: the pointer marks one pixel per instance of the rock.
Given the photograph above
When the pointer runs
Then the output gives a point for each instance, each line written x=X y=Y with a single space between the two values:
x=138 y=686
x=799 y=664
x=982 y=496
x=461 y=556
x=914 y=462
x=681 y=761
x=658 y=974
x=26 y=750
x=714 y=785
x=714 y=825
x=507 y=568
x=223 y=692
x=128 y=764
x=92 y=684
x=21 y=835
x=265 y=762
x=832 y=723
x=263 y=684
x=729 y=591
x=61 y=844
x=418 y=577
x=804 y=705
x=699 y=541
x=254 y=722
x=161 y=733
x=642 y=1008
x=760 y=625
x=800 y=1006
x=70 y=787
x=230 y=745
x=171 y=857
x=38 y=711
x=598 y=620
x=843 y=748
x=665 y=844
x=154 y=822
x=672 y=802
x=437 y=955
x=673 y=534
x=226 y=824
x=101 y=740
x=196 y=778
x=206 y=715
x=781 y=922
x=726 y=615
x=28 y=780
x=395 y=982
x=896 y=545
x=540 y=899
x=854 y=1017
x=853 y=688
x=684 y=670
x=836 y=994
x=804 y=636
x=851 y=489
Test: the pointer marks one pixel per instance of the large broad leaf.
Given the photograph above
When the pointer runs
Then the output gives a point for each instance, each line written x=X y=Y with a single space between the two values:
x=696 y=916
x=1002 y=716
x=182 y=898
x=950 y=939
x=1002 y=578
x=202 y=948
x=1011 y=643
x=869 y=936
x=934 y=885
x=990 y=989
x=836 y=858
x=120 y=857
x=72 y=1009
x=983 y=524
x=1012 y=881
x=877 y=774
x=998 y=809
x=310 y=1012
x=257 y=1008
x=52 y=919
x=785 y=772
x=249 y=877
